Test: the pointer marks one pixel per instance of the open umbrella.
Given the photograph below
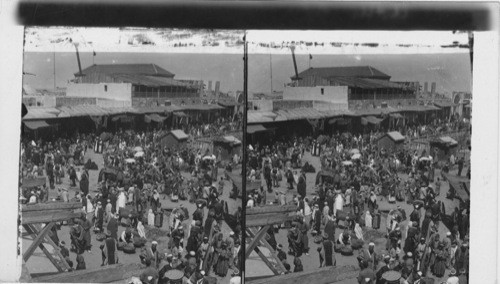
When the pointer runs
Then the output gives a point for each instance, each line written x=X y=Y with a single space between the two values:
x=139 y=154
x=356 y=156
x=138 y=149
x=209 y=157
x=347 y=163
x=354 y=151
x=130 y=161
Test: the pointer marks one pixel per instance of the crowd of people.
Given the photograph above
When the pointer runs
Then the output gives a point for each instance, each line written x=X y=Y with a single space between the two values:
x=220 y=126
x=343 y=210
x=137 y=174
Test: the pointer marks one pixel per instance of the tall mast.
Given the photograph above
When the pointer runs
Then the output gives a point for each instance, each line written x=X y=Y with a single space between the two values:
x=245 y=147
x=271 y=68
x=54 y=68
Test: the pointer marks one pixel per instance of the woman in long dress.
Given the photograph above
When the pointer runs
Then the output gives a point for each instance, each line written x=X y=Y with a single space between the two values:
x=121 y=200
x=222 y=265
x=339 y=204
x=140 y=230
x=440 y=264
x=90 y=206
x=151 y=218
x=368 y=220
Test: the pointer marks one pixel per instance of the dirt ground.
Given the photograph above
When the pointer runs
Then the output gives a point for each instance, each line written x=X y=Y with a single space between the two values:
x=256 y=267
x=40 y=264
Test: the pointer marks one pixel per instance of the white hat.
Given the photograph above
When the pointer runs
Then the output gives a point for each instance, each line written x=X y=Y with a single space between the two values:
x=448 y=233
x=371 y=244
x=192 y=253
x=154 y=242
x=231 y=234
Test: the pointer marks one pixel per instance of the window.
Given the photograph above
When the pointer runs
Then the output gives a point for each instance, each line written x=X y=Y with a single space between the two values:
x=322 y=91
x=105 y=88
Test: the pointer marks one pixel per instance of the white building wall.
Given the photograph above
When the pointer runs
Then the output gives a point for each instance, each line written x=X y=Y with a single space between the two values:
x=335 y=96
x=262 y=105
x=110 y=91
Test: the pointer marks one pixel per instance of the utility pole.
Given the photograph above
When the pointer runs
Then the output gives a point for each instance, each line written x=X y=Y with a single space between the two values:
x=271 y=68
x=54 y=67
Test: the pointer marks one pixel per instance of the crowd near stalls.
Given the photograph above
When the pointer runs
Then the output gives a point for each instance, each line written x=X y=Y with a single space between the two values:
x=137 y=202
x=219 y=127
x=384 y=208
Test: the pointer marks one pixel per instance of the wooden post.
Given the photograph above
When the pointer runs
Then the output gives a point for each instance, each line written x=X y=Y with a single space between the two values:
x=32 y=230
x=37 y=241
x=255 y=241
x=273 y=253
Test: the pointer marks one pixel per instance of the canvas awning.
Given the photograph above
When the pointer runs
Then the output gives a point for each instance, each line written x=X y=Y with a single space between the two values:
x=180 y=114
x=35 y=124
x=370 y=119
x=261 y=116
x=233 y=141
x=334 y=120
x=119 y=117
x=396 y=115
x=448 y=141
x=179 y=134
x=154 y=117
x=41 y=113
x=254 y=128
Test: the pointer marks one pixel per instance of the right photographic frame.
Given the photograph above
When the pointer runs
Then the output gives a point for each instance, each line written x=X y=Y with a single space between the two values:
x=358 y=147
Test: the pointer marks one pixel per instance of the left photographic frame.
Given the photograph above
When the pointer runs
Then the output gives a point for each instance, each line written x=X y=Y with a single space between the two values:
x=131 y=155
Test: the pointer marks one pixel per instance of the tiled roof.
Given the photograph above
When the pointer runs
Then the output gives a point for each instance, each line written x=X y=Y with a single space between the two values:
x=84 y=110
x=365 y=83
x=148 y=81
x=135 y=69
x=348 y=71
x=298 y=114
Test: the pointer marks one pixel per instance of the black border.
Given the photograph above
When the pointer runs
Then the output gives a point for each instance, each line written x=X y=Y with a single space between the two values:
x=245 y=15
x=211 y=14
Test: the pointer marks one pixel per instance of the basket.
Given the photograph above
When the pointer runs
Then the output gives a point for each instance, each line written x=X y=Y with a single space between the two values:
x=100 y=237
x=338 y=247
x=120 y=245
x=139 y=242
x=125 y=222
x=357 y=244
x=129 y=249
x=391 y=277
x=318 y=239
x=346 y=251
x=174 y=274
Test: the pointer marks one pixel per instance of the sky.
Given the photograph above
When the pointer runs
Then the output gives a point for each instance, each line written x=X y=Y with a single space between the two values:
x=451 y=72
